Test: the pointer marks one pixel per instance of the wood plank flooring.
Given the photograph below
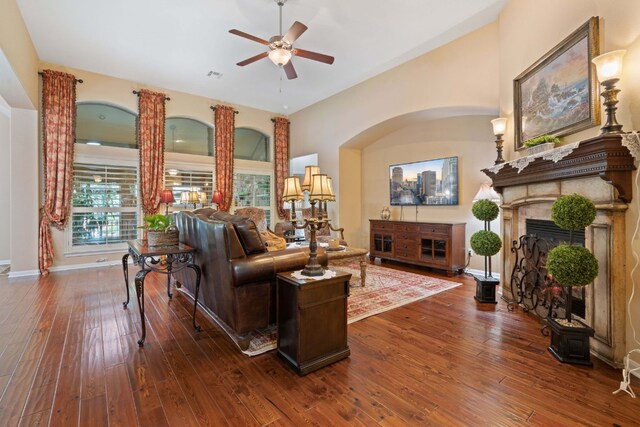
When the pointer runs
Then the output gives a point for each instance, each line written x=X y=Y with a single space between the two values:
x=69 y=356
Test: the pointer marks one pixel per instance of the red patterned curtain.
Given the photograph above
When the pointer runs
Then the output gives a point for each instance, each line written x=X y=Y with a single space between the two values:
x=225 y=126
x=59 y=123
x=281 y=133
x=151 y=146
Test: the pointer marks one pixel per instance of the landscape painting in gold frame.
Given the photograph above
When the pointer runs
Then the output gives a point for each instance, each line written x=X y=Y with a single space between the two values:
x=557 y=95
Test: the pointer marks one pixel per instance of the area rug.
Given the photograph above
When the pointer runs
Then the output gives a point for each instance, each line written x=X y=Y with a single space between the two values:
x=385 y=289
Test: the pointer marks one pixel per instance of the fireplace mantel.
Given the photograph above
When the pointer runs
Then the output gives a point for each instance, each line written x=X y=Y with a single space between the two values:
x=588 y=170
x=603 y=156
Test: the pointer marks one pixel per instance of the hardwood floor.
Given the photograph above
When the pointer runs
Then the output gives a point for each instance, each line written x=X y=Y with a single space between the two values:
x=68 y=356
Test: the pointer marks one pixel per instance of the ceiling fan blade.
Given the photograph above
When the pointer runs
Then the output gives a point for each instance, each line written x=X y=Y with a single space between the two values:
x=294 y=32
x=253 y=59
x=314 y=56
x=290 y=71
x=248 y=36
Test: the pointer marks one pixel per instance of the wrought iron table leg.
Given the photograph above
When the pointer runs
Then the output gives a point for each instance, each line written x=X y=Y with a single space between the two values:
x=196 y=268
x=140 y=275
x=169 y=294
x=125 y=269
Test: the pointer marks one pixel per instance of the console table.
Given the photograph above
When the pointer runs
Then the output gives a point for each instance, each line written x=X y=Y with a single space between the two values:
x=312 y=321
x=439 y=245
x=161 y=259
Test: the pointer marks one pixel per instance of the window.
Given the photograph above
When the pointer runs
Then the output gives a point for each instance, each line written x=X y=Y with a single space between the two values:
x=253 y=190
x=104 y=205
x=188 y=136
x=102 y=124
x=182 y=182
x=250 y=144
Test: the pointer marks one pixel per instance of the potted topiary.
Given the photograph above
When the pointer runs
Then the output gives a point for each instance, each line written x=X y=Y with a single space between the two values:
x=571 y=265
x=540 y=144
x=486 y=243
x=160 y=231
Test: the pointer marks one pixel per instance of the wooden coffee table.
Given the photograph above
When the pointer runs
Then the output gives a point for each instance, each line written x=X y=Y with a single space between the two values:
x=351 y=252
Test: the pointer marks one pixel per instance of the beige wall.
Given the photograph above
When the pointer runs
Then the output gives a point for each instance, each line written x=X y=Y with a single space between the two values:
x=469 y=138
x=473 y=72
x=459 y=78
x=23 y=202
x=5 y=176
x=18 y=49
x=521 y=46
x=97 y=87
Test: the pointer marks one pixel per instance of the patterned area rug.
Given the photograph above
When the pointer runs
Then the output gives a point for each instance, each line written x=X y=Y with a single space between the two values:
x=4 y=269
x=385 y=289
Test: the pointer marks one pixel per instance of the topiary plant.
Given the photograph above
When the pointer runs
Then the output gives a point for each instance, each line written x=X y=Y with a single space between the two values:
x=485 y=210
x=574 y=212
x=486 y=243
x=570 y=265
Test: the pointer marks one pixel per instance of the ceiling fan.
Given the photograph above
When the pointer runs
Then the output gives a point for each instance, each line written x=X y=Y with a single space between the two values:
x=281 y=47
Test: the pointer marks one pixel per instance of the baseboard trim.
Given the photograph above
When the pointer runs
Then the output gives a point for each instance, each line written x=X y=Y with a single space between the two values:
x=481 y=273
x=5 y=262
x=87 y=265
x=23 y=273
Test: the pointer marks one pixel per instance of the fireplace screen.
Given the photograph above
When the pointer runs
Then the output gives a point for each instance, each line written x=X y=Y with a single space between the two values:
x=530 y=286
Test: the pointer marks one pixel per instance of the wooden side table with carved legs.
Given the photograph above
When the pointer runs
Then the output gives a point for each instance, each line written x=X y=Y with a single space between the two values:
x=160 y=259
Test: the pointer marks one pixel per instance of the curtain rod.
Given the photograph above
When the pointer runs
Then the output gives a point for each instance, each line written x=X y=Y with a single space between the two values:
x=166 y=98
x=234 y=111
x=77 y=80
x=274 y=119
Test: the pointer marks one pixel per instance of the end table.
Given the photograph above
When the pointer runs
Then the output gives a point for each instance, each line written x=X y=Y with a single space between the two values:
x=312 y=321
x=161 y=259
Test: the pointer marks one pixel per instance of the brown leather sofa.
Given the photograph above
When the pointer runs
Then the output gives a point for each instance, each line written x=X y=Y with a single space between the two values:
x=238 y=281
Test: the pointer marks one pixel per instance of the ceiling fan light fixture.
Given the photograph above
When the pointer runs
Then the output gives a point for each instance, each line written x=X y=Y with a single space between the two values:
x=280 y=56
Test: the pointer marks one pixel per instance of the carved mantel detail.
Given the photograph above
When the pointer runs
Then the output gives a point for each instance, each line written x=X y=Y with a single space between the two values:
x=602 y=156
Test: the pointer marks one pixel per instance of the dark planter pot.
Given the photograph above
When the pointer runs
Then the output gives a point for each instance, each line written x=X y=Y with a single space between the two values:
x=486 y=290
x=570 y=344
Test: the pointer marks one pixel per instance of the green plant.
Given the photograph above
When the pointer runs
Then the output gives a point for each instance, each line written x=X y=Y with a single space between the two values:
x=571 y=265
x=157 y=222
x=542 y=139
x=567 y=264
x=485 y=210
x=486 y=243
x=573 y=212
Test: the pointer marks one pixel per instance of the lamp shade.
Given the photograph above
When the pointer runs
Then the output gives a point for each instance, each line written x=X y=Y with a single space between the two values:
x=166 y=196
x=202 y=197
x=217 y=197
x=333 y=195
x=189 y=197
x=292 y=190
x=309 y=171
x=499 y=125
x=280 y=56
x=486 y=192
x=609 y=65
x=320 y=189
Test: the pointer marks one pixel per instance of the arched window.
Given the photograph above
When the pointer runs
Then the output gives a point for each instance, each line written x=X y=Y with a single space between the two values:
x=102 y=124
x=251 y=145
x=188 y=136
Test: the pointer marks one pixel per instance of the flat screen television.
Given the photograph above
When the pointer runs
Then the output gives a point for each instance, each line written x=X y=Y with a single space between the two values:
x=425 y=183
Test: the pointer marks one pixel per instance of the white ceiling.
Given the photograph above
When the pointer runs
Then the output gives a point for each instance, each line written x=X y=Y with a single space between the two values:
x=173 y=44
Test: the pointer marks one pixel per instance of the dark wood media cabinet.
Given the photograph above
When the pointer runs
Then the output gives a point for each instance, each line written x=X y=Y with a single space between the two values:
x=439 y=245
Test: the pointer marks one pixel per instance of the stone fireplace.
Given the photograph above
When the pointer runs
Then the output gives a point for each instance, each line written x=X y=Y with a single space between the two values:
x=599 y=169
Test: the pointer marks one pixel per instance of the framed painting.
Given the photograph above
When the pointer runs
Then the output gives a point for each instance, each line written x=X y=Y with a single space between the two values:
x=557 y=95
